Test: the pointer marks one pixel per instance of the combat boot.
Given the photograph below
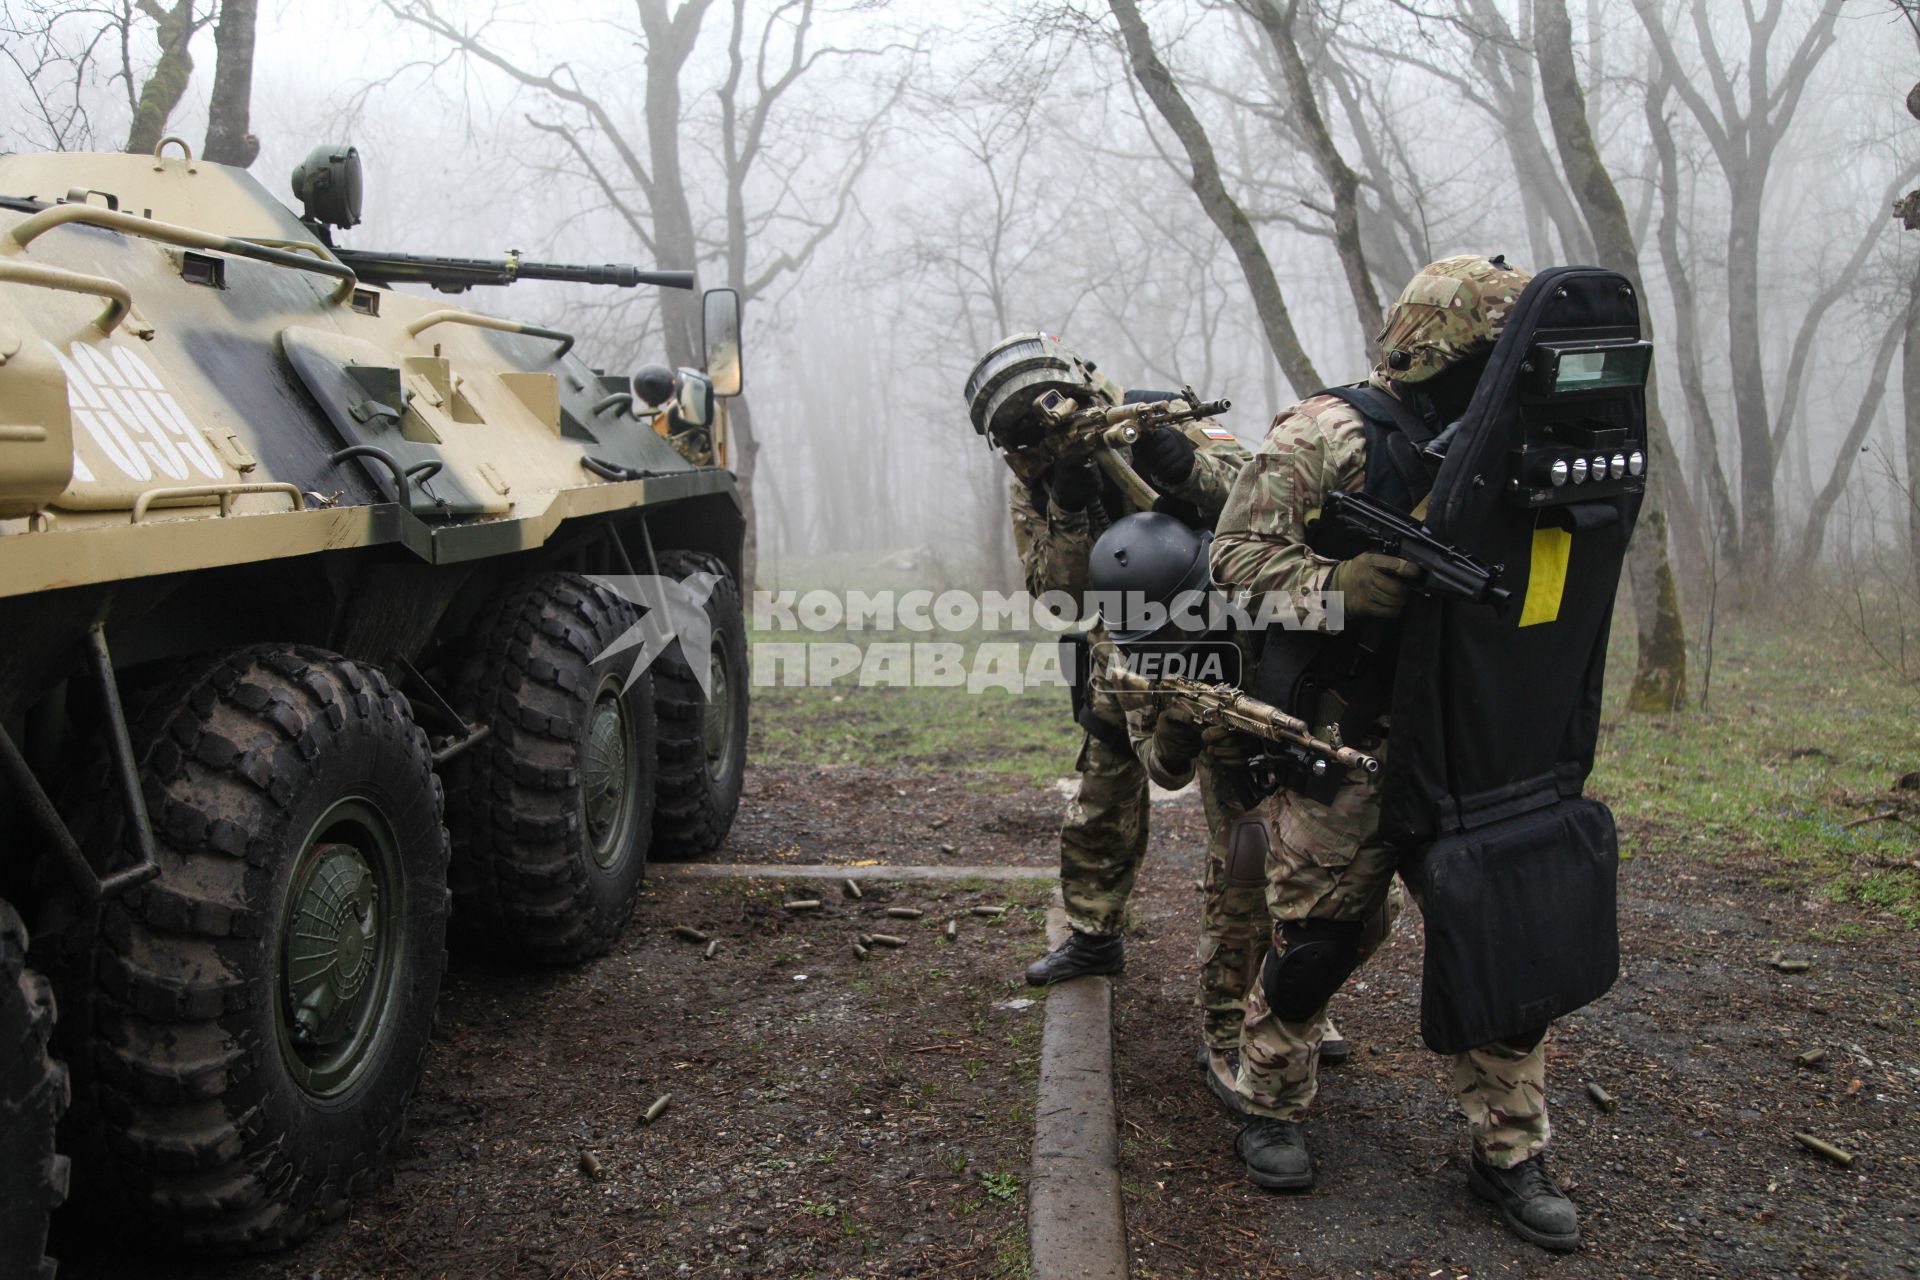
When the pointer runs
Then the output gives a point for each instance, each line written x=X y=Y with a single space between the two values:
x=1275 y=1153
x=1079 y=955
x=1223 y=1067
x=1334 y=1048
x=1531 y=1202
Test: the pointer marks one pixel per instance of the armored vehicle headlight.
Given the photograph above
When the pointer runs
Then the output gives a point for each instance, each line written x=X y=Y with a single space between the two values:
x=1558 y=473
x=1579 y=470
x=327 y=185
x=1617 y=467
x=1636 y=463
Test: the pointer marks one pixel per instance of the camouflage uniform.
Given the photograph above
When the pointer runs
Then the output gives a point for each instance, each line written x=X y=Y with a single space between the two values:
x=1233 y=916
x=1326 y=862
x=1104 y=836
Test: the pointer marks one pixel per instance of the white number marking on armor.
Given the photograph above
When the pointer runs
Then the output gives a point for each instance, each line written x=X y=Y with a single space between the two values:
x=130 y=415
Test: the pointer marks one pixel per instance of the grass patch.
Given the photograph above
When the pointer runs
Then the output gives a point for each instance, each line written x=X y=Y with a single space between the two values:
x=1800 y=737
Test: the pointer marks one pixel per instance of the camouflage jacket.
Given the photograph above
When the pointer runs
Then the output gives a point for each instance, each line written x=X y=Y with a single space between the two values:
x=1316 y=447
x=1055 y=546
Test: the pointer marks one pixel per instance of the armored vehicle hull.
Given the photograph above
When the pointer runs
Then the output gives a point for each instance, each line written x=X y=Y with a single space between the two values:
x=308 y=588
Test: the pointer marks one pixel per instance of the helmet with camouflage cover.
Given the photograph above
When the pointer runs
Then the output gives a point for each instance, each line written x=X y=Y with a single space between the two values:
x=1003 y=386
x=1452 y=310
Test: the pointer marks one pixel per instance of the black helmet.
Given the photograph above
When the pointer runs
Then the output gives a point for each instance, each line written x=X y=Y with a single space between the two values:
x=1158 y=561
x=654 y=384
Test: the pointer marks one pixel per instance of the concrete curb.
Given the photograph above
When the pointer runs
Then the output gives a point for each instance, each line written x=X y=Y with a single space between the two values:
x=1075 y=1228
x=828 y=871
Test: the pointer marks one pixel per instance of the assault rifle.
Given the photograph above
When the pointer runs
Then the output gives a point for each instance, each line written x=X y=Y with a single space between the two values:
x=457 y=275
x=1352 y=523
x=1075 y=432
x=1222 y=704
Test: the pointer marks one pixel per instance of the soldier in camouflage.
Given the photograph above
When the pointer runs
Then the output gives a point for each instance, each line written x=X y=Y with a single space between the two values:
x=1330 y=877
x=1059 y=508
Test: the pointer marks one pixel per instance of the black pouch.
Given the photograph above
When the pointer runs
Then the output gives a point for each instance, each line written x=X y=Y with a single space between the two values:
x=1521 y=926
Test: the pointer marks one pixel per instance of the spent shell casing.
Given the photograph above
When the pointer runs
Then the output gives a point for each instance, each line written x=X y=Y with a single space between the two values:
x=989 y=913
x=802 y=904
x=712 y=947
x=853 y=889
x=690 y=933
x=1601 y=1098
x=953 y=928
x=1839 y=1155
x=659 y=1105
x=888 y=940
x=905 y=913
x=860 y=951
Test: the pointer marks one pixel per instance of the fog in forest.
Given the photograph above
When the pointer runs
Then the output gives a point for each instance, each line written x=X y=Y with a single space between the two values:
x=1218 y=193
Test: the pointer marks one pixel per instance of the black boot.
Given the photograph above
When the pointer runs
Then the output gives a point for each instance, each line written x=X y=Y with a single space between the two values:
x=1079 y=955
x=1530 y=1201
x=1275 y=1153
x=1222 y=1067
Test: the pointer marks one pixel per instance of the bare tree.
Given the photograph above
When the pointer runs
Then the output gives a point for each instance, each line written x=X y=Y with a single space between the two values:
x=1745 y=130
x=760 y=242
x=1279 y=21
x=1220 y=206
x=1660 y=678
x=1898 y=330
x=230 y=107
x=166 y=84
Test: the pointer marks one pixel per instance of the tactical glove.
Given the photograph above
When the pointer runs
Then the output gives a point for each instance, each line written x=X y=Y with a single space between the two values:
x=1375 y=585
x=1074 y=484
x=1164 y=455
x=1231 y=754
x=1177 y=743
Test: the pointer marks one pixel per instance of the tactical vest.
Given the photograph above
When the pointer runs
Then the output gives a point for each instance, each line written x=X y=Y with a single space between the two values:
x=1296 y=670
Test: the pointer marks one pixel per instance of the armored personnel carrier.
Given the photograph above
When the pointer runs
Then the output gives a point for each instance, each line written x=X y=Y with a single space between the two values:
x=317 y=651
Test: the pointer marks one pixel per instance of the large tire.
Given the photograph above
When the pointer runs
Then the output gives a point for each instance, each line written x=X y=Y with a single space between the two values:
x=703 y=741
x=33 y=1096
x=256 y=1018
x=551 y=813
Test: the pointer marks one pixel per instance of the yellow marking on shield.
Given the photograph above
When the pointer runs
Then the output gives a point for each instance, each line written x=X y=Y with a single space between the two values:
x=1547 y=579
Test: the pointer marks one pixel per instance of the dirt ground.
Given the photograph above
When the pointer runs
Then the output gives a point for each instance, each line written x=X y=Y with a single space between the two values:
x=873 y=1119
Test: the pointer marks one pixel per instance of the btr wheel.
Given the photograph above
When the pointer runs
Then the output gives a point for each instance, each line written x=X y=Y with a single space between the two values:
x=258 y=1014
x=703 y=731
x=33 y=1095
x=551 y=813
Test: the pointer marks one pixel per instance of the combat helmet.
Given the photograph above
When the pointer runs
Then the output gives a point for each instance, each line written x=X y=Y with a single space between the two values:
x=1149 y=571
x=1002 y=388
x=1452 y=310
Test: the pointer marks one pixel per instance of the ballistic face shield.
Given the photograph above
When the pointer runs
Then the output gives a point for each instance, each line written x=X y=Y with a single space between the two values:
x=1002 y=389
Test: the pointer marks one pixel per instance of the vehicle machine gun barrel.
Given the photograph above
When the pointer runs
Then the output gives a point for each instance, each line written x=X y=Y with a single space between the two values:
x=1352 y=523
x=457 y=275
x=1224 y=705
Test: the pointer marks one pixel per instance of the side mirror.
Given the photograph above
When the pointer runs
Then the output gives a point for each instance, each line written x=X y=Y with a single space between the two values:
x=720 y=327
x=693 y=398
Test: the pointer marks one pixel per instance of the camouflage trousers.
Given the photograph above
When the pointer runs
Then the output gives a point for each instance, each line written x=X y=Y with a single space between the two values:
x=1326 y=864
x=1104 y=841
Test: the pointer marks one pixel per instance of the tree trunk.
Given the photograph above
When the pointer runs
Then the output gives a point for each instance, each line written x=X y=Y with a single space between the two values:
x=1725 y=530
x=1870 y=400
x=1910 y=410
x=229 y=108
x=1660 y=678
x=669 y=41
x=168 y=83
x=1755 y=427
x=1341 y=182
x=744 y=458
x=1220 y=207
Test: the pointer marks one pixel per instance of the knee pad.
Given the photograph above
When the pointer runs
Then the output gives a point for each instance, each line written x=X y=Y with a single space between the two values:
x=1320 y=955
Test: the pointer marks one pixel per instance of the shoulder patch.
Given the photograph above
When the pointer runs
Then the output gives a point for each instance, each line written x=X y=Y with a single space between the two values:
x=1217 y=433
